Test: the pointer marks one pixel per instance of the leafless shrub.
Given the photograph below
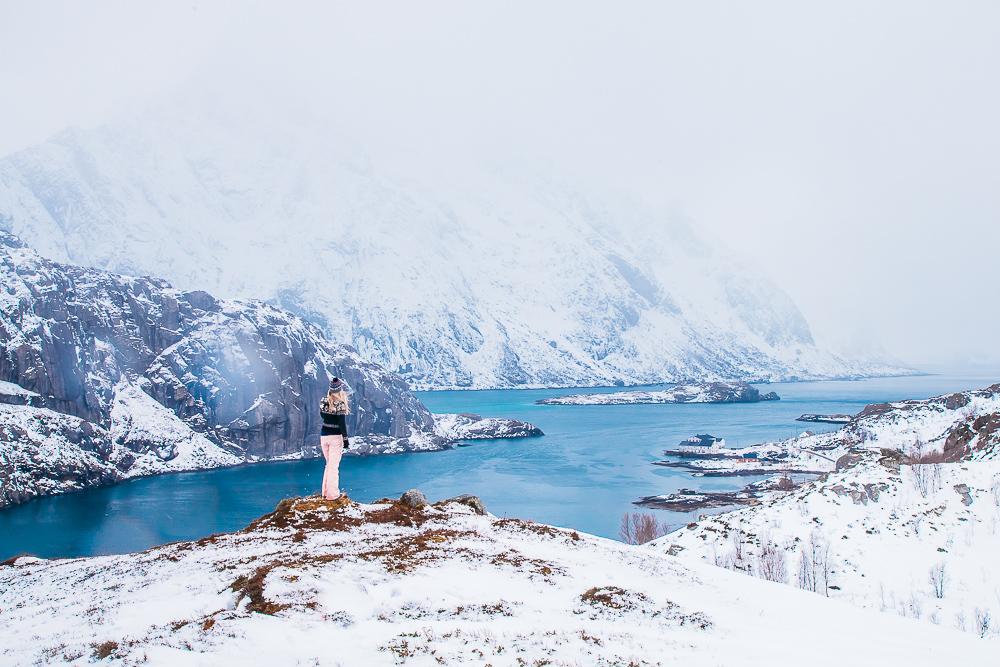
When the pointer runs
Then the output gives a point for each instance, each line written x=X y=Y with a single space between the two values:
x=771 y=562
x=996 y=493
x=922 y=453
x=739 y=555
x=935 y=617
x=926 y=478
x=916 y=607
x=814 y=565
x=928 y=457
x=982 y=622
x=960 y=620
x=639 y=528
x=939 y=579
x=805 y=579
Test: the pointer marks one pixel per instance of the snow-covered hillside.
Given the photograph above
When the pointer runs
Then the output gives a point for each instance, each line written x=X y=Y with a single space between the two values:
x=906 y=519
x=338 y=583
x=475 y=278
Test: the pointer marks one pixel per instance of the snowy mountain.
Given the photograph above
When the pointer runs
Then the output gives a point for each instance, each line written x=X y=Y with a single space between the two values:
x=106 y=377
x=403 y=583
x=905 y=520
x=469 y=278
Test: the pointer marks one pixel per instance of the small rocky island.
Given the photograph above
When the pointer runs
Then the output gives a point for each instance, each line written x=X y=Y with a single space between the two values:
x=825 y=419
x=465 y=426
x=699 y=392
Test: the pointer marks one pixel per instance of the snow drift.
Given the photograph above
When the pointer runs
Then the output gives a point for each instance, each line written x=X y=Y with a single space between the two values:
x=340 y=583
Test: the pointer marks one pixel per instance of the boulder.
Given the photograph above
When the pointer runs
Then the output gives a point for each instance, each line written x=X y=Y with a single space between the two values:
x=465 y=499
x=414 y=498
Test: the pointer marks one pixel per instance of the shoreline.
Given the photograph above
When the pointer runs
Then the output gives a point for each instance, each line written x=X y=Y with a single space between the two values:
x=452 y=443
x=798 y=380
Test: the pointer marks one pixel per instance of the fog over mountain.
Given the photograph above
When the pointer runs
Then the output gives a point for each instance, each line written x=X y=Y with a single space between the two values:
x=247 y=152
x=492 y=278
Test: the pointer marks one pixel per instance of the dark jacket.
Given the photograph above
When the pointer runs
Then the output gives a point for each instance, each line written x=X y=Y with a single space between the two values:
x=333 y=424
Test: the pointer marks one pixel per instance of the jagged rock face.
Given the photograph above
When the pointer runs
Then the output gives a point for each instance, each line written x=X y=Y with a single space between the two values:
x=247 y=375
x=21 y=475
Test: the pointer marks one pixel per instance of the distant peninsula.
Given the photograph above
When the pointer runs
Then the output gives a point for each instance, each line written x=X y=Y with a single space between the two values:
x=699 y=392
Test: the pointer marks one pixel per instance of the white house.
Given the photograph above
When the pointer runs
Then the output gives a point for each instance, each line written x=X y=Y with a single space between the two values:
x=701 y=444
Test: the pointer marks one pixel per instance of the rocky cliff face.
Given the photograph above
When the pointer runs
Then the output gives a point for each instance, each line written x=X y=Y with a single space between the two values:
x=246 y=374
x=177 y=374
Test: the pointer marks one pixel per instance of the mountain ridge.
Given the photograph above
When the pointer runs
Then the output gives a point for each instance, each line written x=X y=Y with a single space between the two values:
x=489 y=279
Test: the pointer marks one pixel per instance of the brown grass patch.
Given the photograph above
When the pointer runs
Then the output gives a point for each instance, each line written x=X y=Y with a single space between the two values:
x=399 y=514
x=519 y=561
x=104 y=649
x=499 y=608
x=314 y=513
x=406 y=553
x=611 y=597
x=252 y=586
x=523 y=525
x=306 y=514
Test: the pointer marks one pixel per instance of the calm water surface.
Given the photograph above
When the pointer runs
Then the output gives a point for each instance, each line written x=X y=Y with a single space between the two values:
x=585 y=473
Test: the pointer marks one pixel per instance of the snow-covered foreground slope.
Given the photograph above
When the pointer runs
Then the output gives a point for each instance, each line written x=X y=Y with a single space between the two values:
x=906 y=519
x=337 y=583
x=488 y=279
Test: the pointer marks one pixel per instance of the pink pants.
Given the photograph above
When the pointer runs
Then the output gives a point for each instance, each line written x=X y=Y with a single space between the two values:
x=333 y=449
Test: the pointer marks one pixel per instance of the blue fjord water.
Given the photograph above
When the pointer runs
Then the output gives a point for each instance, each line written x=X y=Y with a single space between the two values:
x=585 y=473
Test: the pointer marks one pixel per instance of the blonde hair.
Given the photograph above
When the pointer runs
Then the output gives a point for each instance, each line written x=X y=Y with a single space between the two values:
x=332 y=398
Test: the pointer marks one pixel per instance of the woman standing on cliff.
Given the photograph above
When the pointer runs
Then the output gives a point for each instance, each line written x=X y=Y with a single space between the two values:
x=334 y=409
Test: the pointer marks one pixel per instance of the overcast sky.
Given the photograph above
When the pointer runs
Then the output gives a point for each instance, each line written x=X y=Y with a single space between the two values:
x=850 y=149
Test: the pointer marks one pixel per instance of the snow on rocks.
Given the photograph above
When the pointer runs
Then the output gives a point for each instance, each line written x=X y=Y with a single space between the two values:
x=905 y=519
x=141 y=424
x=465 y=426
x=703 y=392
x=340 y=583
x=43 y=452
x=11 y=389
